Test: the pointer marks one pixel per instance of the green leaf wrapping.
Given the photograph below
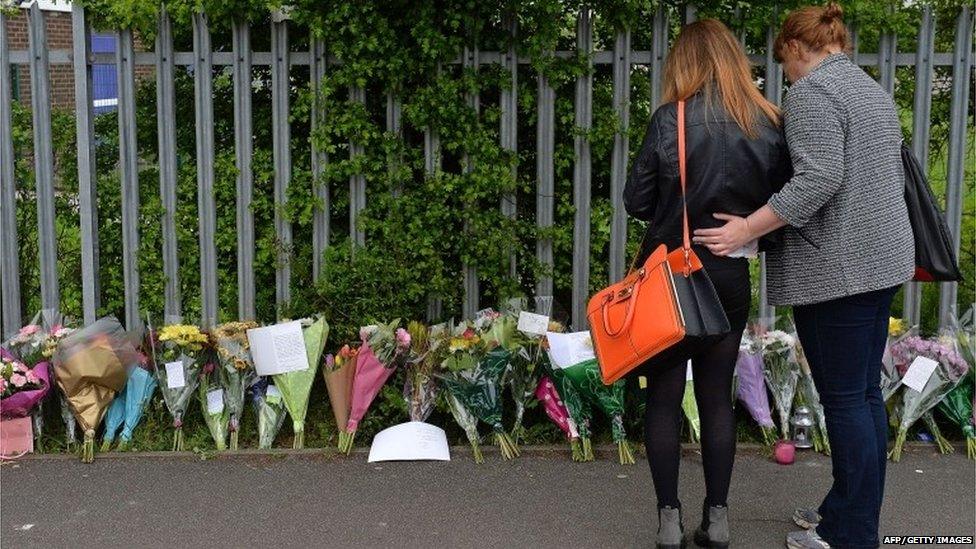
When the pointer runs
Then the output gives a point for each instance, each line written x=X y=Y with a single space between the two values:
x=295 y=386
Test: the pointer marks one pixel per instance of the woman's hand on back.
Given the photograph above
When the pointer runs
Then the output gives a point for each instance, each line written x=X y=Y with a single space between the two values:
x=738 y=231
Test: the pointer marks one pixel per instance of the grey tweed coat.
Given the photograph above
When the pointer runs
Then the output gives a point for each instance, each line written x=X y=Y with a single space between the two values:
x=848 y=230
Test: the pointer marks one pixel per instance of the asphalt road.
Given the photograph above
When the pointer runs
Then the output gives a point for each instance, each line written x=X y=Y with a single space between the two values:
x=540 y=500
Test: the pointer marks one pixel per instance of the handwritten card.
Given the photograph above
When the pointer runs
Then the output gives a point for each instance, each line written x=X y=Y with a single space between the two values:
x=566 y=350
x=533 y=324
x=919 y=372
x=278 y=349
x=175 y=377
x=215 y=401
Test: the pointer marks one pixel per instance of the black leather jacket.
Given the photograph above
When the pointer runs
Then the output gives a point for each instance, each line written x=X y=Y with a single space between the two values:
x=727 y=172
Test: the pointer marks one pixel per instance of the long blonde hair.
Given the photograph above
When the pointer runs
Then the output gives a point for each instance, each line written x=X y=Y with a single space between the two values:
x=707 y=57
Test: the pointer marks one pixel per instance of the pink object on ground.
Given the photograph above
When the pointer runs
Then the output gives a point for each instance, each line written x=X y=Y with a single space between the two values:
x=555 y=409
x=16 y=437
x=784 y=452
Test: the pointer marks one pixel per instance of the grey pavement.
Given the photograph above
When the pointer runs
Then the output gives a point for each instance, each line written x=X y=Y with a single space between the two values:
x=540 y=500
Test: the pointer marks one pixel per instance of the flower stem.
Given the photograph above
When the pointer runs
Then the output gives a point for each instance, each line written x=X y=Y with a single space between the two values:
x=971 y=447
x=88 y=447
x=476 y=451
x=299 y=441
x=233 y=440
x=577 y=451
x=625 y=454
x=106 y=445
x=895 y=454
x=587 y=449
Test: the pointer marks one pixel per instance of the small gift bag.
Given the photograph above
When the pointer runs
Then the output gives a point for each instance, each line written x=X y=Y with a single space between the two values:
x=16 y=437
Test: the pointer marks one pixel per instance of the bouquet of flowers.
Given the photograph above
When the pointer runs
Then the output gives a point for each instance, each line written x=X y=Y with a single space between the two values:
x=177 y=354
x=948 y=369
x=585 y=377
x=338 y=372
x=91 y=370
x=420 y=387
x=474 y=369
x=236 y=370
x=546 y=393
x=579 y=409
x=781 y=372
x=295 y=386
x=890 y=378
x=21 y=388
x=468 y=422
x=127 y=407
x=269 y=409
x=385 y=346
x=213 y=407
x=751 y=388
x=958 y=407
x=807 y=395
x=690 y=406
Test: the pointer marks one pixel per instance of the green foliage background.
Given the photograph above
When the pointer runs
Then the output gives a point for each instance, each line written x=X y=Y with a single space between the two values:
x=420 y=228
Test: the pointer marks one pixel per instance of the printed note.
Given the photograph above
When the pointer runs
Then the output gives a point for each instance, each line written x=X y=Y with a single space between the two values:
x=175 y=378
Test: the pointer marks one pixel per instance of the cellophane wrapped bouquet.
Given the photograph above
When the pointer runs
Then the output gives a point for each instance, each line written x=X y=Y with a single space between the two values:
x=420 y=386
x=782 y=373
x=237 y=372
x=178 y=355
x=958 y=403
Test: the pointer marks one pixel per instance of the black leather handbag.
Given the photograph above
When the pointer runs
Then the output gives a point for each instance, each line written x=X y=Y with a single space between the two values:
x=935 y=259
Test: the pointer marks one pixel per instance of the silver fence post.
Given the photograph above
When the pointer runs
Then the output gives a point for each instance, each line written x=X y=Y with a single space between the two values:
x=281 y=142
x=508 y=126
x=323 y=206
x=43 y=157
x=128 y=174
x=773 y=88
x=545 y=184
x=955 y=173
x=887 y=62
x=432 y=166
x=470 y=272
x=582 y=172
x=9 y=245
x=659 y=52
x=85 y=142
x=243 y=149
x=922 y=109
x=618 y=165
x=357 y=181
x=166 y=130
x=207 y=209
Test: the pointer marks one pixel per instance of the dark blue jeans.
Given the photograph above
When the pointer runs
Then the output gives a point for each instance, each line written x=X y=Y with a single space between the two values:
x=844 y=341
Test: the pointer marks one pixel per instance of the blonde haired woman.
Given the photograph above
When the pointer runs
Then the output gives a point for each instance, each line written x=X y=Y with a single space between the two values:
x=736 y=159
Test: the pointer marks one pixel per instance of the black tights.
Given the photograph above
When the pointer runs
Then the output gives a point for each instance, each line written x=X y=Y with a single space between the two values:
x=712 y=370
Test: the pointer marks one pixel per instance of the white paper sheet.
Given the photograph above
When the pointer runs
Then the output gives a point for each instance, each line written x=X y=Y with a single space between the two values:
x=919 y=372
x=411 y=441
x=272 y=394
x=566 y=350
x=215 y=401
x=278 y=349
x=174 y=375
x=533 y=324
x=688 y=373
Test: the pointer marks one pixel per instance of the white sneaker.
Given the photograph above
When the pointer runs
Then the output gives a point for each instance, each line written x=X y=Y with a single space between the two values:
x=806 y=539
x=806 y=518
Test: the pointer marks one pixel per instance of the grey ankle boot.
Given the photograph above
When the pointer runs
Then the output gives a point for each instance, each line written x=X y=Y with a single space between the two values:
x=670 y=533
x=714 y=529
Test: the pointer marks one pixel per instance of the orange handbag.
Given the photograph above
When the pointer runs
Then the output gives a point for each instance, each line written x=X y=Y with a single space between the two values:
x=661 y=310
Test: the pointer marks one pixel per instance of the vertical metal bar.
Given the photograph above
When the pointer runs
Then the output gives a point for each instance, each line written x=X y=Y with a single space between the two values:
x=394 y=115
x=922 y=109
x=887 y=52
x=320 y=219
x=243 y=149
x=582 y=172
x=85 y=141
x=128 y=174
x=618 y=165
x=432 y=165
x=855 y=44
x=773 y=89
x=281 y=142
x=357 y=181
x=43 y=157
x=508 y=130
x=207 y=209
x=955 y=173
x=9 y=249
x=659 y=53
x=166 y=130
x=545 y=184
x=691 y=13
x=471 y=286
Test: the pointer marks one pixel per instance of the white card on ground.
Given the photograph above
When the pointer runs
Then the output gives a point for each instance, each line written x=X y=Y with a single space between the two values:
x=174 y=375
x=215 y=401
x=919 y=372
x=688 y=373
x=533 y=324
x=566 y=350
x=278 y=349
x=411 y=441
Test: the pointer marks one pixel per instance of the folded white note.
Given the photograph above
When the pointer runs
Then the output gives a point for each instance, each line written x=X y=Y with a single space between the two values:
x=215 y=401
x=533 y=324
x=278 y=349
x=411 y=441
x=174 y=375
x=566 y=350
x=919 y=372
